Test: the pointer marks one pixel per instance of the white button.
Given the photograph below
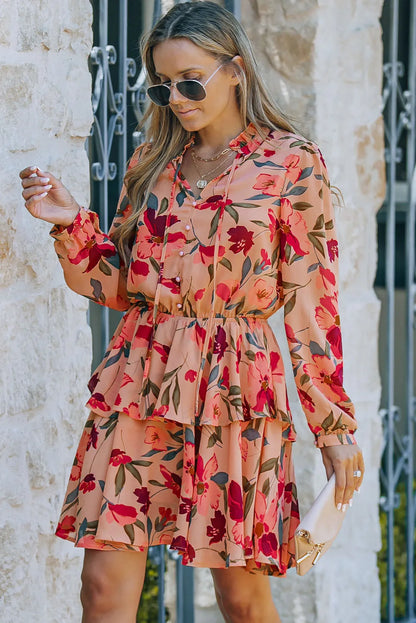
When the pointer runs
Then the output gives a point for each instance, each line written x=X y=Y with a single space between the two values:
x=194 y=203
x=181 y=253
x=177 y=279
x=187 y=227
x=179 y=305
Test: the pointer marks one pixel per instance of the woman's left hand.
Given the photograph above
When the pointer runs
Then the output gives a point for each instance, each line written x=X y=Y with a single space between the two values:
x=344 y=460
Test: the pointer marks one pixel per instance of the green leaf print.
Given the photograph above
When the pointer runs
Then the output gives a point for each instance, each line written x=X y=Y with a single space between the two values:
x=290 y=304
x=313 y=237
x=214 y=223
x=163 y=205
x=225 y=262
x=301 y=205
x=268 y=465
x=154 y=264
x=248 y=502
x=328 y=421
x=246 y=268
x=176 y=396
x=133 y=471
x=120 y=479
x=129 y=530
x=233 y=213
x=319 y=223
x=104 y=268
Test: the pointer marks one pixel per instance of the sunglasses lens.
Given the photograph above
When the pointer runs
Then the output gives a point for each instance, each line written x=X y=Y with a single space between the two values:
x=191 y=89
x=159 y=94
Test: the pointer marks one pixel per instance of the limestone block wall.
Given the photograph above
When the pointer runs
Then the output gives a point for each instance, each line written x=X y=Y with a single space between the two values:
x=46 y=342
x=322 y=61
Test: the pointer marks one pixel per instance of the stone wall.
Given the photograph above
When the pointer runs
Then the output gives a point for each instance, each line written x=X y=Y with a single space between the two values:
x=322 y=61
x=46 y=342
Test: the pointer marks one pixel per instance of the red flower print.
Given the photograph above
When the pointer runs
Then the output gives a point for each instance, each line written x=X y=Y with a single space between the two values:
x=171 y=284
x=157 y=436
x=306 y=401
x=238 y=353
x=268 y=544
x=260 y=387
x=265 y=260
x=166 y=514
x=213 y=203
x=199 y=294
x=220 y=343
x=163 y=351
x=206 y=254
x=327 y=377
x=121 y=514
x=327 y=318
x=328 y=277
x=180 y=543
x=75 y=471
x=139 y=268
x=203 y=386
x=212 y=410
x=226 y=289
x=273 y=224
x=235 y=501
x=190 y=375
x=293 y=171
x=208 y=493
x=261 y=294
x=269 y=184
x=92 y=441
x=132 y=410
x=217 y=528
x=119 y=457
x=97 y=401
x=172 y=480
x=332 y=249
x=65 y=527
x=269 y=152
x=291 y=223
x=241 y=238
x=98 y=248
x=149 y=237
x=143 y=335
x=160 y=412
x=225 y=379
x=143 y=497
x=88 y=484
x=126 y=380
x=185 y=508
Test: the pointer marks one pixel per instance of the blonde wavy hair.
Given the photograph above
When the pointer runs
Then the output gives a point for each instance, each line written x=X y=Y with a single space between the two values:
x=218 y=33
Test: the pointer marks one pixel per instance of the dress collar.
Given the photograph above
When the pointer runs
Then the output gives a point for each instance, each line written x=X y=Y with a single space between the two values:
x=245 y=143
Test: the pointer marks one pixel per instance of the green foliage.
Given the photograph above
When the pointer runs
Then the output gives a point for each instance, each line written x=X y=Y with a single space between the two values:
x=148 y=609
x=400 y=556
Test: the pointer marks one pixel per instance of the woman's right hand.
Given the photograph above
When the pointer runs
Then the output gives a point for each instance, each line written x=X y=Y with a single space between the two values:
x=47 y=198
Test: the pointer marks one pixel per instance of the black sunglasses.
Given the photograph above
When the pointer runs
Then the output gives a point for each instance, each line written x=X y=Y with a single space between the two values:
x=191 y=89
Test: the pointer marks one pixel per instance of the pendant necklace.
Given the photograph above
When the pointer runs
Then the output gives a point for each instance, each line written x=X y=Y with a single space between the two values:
x=216 y=157
x=202 y=182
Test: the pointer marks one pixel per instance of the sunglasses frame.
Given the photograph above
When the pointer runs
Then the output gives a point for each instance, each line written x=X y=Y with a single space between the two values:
x=175 y=84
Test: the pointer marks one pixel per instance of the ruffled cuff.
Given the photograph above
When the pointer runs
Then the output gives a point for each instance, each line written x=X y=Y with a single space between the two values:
x=333 y=439
x=62 y=233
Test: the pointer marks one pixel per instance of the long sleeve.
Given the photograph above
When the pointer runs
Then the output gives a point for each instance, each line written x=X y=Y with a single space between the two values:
x=90 y=260
x=309 y=275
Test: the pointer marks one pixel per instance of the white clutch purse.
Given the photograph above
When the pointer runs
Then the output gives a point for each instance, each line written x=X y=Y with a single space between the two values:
x=318 y=529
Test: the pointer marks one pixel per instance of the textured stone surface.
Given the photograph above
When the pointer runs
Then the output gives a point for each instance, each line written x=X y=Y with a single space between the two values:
x=45 y=116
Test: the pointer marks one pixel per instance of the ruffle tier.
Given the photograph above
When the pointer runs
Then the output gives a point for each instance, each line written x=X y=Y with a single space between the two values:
x=156 y=370
x=220 y=496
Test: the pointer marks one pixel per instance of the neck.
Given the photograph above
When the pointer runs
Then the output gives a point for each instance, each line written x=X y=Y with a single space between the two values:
x=212 y=138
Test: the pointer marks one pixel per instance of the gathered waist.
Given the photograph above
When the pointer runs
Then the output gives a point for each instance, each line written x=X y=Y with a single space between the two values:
x=143 y=308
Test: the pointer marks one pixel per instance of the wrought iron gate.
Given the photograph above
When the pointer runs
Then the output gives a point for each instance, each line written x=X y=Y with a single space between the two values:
x=396 y=278
x=118 y=100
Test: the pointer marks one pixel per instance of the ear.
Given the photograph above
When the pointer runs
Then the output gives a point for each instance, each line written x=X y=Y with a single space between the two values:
x=238 y=69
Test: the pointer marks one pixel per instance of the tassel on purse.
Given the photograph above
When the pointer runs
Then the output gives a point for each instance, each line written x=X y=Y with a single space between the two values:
x=318 y=529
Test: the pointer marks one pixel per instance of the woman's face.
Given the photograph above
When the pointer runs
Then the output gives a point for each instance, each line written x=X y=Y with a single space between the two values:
x=180 y=59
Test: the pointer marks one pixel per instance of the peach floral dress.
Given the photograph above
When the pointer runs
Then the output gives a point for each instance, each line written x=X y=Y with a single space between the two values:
x=189 y=438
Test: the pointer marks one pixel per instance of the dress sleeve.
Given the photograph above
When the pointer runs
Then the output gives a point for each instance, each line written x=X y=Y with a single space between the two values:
x=309 y=285
x=90 y=260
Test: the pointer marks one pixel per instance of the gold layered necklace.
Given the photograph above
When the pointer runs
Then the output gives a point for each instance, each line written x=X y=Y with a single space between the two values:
x=202 y=182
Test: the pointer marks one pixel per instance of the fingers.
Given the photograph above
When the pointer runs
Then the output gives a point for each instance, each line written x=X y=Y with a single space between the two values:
x=346 y=462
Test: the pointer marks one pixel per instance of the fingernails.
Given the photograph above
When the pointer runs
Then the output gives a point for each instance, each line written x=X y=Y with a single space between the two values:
x=33 y=175
x=32 y=168
x=344 y=507
x=358 y=490
x=339 y=506
x=44 y=180
x=48 y=187
x=42 y=195
x=350 y=502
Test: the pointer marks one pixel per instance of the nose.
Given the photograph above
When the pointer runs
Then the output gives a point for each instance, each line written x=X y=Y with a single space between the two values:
x=175 y=96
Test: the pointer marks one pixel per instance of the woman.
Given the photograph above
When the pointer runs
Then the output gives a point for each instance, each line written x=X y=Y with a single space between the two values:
x=225 y=216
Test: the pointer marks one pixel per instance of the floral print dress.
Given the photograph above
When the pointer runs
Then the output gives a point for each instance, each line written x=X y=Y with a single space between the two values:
x=189 y=438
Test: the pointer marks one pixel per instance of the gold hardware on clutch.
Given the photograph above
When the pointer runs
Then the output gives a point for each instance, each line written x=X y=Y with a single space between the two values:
x=316 y=549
